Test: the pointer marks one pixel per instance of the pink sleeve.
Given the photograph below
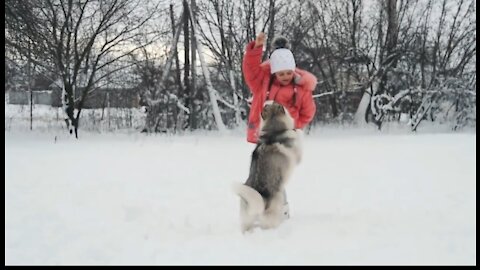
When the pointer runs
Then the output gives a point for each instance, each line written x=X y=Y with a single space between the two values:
x=252 y=71
x=307 y=110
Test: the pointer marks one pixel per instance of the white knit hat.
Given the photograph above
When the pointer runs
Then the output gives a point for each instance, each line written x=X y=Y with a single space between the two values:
x=281 y=59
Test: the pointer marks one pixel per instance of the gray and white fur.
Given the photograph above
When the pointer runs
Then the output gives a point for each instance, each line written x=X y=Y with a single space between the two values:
x=277 y=152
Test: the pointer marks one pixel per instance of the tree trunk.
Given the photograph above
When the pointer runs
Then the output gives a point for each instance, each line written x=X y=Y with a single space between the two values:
x=154 y=106
x=175 y=54
x=193 y=85
x=386 y=60
x=177 y=70
x=186 y=69
x=29 y=85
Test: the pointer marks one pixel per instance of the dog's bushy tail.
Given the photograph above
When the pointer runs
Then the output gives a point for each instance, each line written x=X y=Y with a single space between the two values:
x=255 y=202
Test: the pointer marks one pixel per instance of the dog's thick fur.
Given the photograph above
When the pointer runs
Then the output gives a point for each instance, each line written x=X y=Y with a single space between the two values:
x=277 y=152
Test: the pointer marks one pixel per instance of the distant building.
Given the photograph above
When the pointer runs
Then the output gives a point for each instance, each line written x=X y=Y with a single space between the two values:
x=99 y=98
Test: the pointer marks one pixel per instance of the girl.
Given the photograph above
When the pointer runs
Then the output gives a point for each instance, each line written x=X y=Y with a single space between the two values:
x=277 y=79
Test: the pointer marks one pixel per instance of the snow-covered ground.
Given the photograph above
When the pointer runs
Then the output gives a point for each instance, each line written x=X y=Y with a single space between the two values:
x=358 y=198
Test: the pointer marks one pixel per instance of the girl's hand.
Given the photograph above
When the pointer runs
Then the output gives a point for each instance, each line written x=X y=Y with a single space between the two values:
x=260 y=40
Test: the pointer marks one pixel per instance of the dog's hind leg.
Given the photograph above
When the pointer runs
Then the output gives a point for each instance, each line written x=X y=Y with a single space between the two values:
x=273 y=215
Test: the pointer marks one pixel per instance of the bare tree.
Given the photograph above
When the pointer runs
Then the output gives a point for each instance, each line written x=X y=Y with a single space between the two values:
x=159 y=91
x=447 y=65
x=331 y=48
x=81 y=38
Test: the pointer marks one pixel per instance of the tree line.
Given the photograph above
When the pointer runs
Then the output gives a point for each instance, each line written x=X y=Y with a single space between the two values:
x=410 y=59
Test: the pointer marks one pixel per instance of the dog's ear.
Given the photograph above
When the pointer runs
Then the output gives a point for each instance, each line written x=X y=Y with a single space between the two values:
x=279 y=109
x=266 y=111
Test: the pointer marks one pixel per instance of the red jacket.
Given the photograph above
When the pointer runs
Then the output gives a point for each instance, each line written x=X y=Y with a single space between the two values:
x=257 y=75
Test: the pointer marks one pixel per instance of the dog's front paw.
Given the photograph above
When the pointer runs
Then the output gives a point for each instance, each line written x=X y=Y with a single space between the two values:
x=271 y=220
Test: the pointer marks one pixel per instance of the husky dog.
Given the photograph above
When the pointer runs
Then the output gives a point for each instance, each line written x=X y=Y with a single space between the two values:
x=277 y=152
